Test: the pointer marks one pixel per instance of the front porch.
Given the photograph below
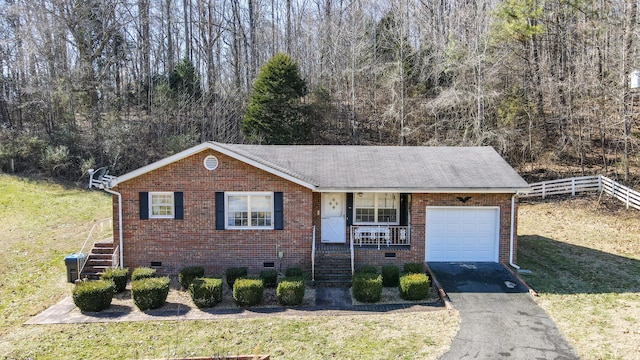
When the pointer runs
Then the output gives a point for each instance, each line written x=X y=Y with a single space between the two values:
x=380 y=235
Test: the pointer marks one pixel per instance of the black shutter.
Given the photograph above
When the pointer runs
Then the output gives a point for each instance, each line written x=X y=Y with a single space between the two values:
x=278 y=211
x=143 y=200
x=349 y=209
x=219 y=210
x=404 y=209
x=178 y=205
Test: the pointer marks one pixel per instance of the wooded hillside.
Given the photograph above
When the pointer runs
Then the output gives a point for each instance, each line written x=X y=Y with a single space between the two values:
x=124 y=82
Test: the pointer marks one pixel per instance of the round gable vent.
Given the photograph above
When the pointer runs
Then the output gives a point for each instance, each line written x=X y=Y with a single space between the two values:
x=210 y=162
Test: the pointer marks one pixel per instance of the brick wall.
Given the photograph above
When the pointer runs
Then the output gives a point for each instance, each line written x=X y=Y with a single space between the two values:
x=194 y=240
x=419 y=203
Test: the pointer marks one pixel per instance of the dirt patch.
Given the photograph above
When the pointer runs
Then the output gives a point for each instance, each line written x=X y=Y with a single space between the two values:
x=391 y=295
x=179 y=299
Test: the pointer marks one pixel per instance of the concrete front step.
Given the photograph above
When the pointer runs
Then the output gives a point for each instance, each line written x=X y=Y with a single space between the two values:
x=101 y=263
x=320 y=283
x=98 y=269
x=102 y=251
x=100 y=259
x=333 y=266
x=333 y=270
x=332 y=277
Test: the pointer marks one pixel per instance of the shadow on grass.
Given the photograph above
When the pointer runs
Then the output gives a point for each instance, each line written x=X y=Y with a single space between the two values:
x=113 y=312
x=562 y=268
x=169 y=309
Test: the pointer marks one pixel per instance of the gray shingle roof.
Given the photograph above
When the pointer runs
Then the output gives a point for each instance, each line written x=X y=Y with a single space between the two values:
x=407 y=168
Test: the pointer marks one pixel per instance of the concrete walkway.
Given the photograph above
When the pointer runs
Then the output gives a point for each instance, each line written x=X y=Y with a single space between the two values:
x=499 y=318
x=328 y=302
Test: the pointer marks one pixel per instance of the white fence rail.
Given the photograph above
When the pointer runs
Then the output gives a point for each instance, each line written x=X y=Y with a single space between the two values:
x=630 y=197
x=576 y=185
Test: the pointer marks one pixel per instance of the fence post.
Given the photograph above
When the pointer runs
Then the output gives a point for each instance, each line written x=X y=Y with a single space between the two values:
x=628 y=198
x=544 y=190
x=573 y=186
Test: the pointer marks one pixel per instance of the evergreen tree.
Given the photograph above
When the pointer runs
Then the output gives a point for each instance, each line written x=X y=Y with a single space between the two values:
x=276 y=114
x=184 y=81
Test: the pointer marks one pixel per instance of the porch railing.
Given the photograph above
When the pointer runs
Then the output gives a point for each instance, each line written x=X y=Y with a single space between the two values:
x=115 y=258
x=352 y=253
x=313 y=254
x=380 y=235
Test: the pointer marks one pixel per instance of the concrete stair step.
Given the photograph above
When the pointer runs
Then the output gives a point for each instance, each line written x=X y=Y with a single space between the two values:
x=333 y=270
x=101 y=263
x=334 y=264
x=334 y=283
x=102 y=251
x=100 y=244
x=100 y=256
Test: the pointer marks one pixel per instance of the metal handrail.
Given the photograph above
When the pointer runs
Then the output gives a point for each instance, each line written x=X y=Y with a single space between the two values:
x=353 y=266
x=90 y=241
x=313 y=254
x=115 y=259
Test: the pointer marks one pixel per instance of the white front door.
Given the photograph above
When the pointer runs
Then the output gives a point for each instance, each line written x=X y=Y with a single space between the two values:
x=334 y=222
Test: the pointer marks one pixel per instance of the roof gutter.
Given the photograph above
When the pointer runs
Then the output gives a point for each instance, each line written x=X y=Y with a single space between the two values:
x=119 y=223
x=512 y=237
x=105 y=182
x=424 y=190
x=512 y=233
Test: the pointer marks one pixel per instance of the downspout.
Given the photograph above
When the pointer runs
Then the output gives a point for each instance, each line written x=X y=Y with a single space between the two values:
x=512 y=234
x=119 y=222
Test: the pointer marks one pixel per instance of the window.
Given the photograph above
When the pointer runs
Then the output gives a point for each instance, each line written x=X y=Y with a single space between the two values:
x=161 y=205
x=376 y=208
x=249 y=210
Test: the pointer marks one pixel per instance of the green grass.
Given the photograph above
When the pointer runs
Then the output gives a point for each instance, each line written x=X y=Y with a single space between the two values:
x=42 y=222
x=406 y=336
x=585 y=260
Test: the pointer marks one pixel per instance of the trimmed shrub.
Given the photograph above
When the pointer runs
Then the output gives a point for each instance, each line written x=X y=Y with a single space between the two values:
x=414 y=268
x=269 y=277
x=290 y=291
x=414 y=286
x=143 y=273
x=293 y=272
x=367 y=287
x=186 y=275
x=248 y=292
x=93 y=295
x=206 y=292
x=368 y=269
x=150 y=293
x=390 y=276
x=118 y=276
x=235 y=273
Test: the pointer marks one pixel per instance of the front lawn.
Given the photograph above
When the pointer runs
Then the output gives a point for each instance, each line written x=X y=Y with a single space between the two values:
x=42 y=222
x=585 y=258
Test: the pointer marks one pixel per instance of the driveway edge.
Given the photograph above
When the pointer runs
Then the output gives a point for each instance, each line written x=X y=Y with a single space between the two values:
x=441 y=293
x=515 y=274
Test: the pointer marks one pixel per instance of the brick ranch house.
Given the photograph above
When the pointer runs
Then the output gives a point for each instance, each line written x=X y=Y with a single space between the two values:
x=277 y=206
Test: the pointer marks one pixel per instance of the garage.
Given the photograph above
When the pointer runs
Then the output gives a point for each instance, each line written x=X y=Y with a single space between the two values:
x=462 y=233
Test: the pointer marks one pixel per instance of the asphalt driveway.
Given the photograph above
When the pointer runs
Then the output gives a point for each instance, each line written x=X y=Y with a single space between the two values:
x=499 y=319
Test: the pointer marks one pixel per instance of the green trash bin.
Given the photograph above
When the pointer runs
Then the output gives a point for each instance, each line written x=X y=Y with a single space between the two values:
x=73 y=262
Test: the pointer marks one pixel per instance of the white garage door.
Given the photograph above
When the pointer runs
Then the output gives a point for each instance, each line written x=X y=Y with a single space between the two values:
x=462 y=234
